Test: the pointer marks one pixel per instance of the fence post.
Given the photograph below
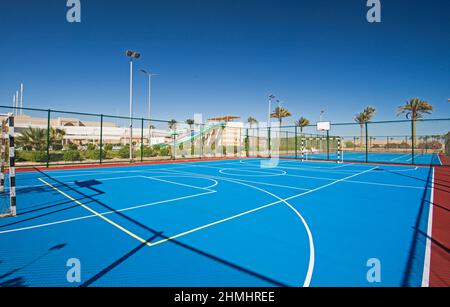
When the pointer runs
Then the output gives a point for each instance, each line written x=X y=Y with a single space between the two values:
x=287 y=142
x=413 y=136
x=48 y=138
x=201 y=141
x=257 y=141
x=296 y=143
x=303 y=148
x=328 y=145
x=174 y=138
x=101 y=138
x=269 y=141
x=247 y=145
x=367 y=142
x=142 y=139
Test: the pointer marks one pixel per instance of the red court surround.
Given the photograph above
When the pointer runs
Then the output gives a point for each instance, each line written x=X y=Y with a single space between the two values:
x=440 y=246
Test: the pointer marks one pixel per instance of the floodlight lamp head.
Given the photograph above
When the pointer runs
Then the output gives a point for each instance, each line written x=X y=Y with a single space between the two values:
x=133 y=55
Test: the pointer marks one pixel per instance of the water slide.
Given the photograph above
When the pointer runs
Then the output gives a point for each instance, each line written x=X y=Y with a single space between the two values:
x=188 y=137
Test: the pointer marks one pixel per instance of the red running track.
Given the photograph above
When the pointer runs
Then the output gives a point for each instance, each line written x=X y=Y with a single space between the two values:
x=440 y=242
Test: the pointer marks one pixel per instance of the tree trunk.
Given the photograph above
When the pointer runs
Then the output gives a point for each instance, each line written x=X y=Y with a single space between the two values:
x=362 y=136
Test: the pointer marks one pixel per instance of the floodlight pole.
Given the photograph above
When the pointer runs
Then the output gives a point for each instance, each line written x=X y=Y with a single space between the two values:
x=149 y=109
x=131 y=109
x=132 y=55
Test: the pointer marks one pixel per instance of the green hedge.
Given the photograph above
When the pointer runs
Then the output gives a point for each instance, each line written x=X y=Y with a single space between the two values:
x=72 y=155
x=38 y=156
x=94 y=154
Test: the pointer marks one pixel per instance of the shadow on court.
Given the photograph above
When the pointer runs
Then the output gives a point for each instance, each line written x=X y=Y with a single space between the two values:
x=156 y=234
x=21 y=281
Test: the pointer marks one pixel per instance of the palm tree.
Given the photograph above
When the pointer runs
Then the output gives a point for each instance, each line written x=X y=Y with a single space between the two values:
x=414 y=110
x=302 y=123
x=280 y=113
x=360 y=118
x=190 y=122
x=172 y=124
x=57 y=137
x=251 y=120
x=364 y=117
x=32 y=139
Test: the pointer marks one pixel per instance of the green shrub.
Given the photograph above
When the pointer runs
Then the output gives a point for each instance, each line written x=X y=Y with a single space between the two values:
x=124 y=152
x=57 y=146
x=71 y=146
x=147 y=152
x=94 y=154
x=111 y=154
x=108 y=147
x=91 y=146
x=164 y=152
x=72 y=155
x=56 y=156
x=31 y=156
x=349 y=144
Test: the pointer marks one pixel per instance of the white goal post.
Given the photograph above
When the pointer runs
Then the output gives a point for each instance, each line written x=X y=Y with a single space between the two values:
x=7 y=166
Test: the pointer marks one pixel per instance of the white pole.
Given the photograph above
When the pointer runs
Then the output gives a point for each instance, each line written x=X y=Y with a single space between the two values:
x=17 y=102
x=269 y=124
x=14 y=103
x=131 y=110
x=21 y=98
x=149 y=109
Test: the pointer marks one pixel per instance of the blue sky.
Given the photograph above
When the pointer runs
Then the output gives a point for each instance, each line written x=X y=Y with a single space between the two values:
x=223 y=57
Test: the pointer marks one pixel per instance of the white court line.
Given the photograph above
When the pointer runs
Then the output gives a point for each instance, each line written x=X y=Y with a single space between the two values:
x=229 y=172
x=310 y=270
x=427 y=258
x=399 y=157
x=311 y=242
x=312 y=168
x=298 y=161
x=99 y=179
x=387 y=185
x=311 y=263
x=241 y=180
x=439 y=158
x=101 y=172
x=401 y=170
x=106 y=213
x=265 y=206
x=315 y=178
x=72 y=182
x=183 y=184
x=283 y=167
